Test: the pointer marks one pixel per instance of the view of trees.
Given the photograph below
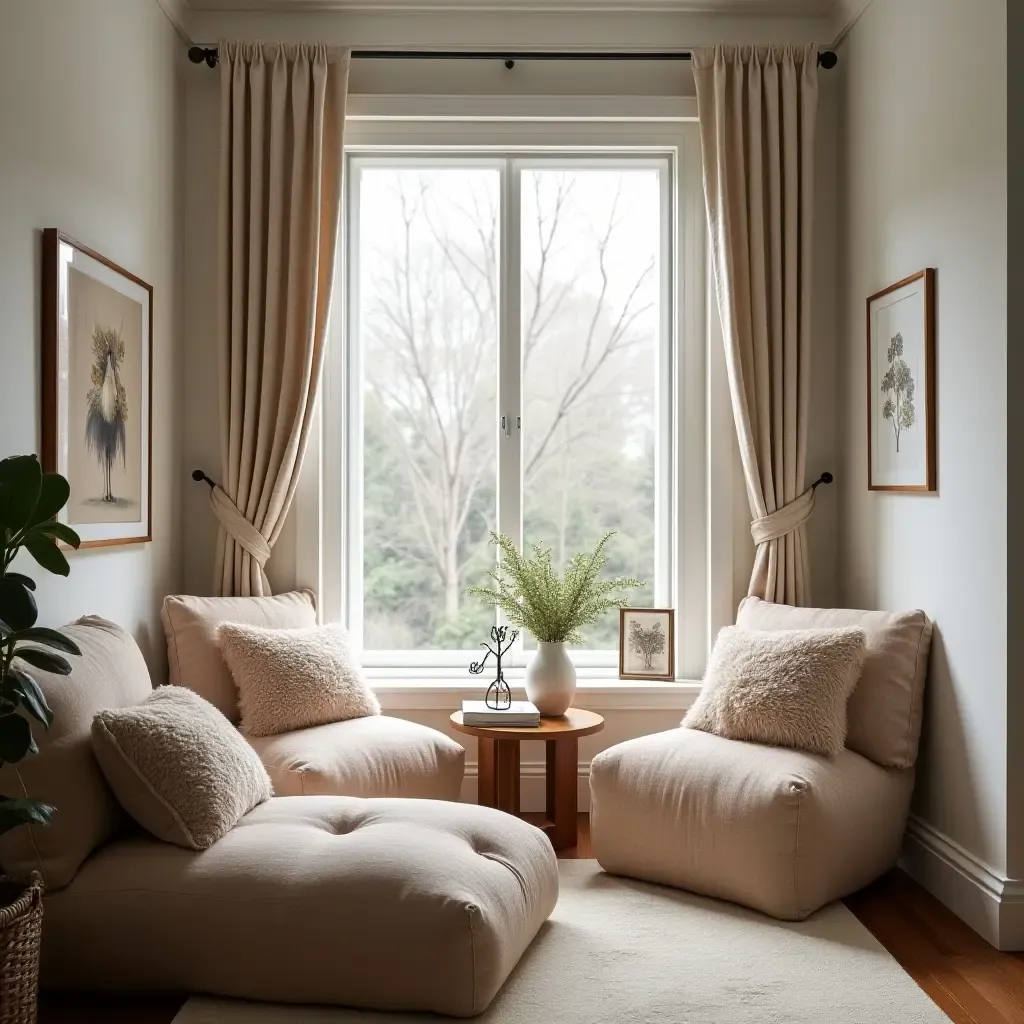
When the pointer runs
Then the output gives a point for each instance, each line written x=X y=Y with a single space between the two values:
x=429 y=284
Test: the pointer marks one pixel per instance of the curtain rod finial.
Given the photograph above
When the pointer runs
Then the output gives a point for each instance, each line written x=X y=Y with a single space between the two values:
x=198 y=54
x=828 y=59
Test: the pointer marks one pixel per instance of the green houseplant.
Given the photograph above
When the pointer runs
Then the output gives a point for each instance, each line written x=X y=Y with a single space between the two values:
x=29 y=502
x=554 y=608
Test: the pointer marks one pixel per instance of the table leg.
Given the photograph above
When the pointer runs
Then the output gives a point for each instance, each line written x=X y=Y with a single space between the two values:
x=498 y=774
x=507 y=774
x=562 y=757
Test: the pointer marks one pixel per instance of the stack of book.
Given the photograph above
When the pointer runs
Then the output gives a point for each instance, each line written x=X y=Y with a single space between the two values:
x=519 y=714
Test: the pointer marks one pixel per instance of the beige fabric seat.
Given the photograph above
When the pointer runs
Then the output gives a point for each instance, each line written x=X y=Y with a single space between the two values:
x=778 y=830
x=392 y=904
x=775 y=829
x=374 y=756
x=384 y=904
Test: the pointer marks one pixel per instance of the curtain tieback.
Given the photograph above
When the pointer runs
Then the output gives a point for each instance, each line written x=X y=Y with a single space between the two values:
x=240 y=529
x=784 y=520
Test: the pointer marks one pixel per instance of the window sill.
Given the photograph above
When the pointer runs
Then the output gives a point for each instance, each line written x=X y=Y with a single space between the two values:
x=591 y=694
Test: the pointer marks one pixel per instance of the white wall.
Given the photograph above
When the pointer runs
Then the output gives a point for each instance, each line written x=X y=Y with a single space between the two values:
x=90 y=133
x=923 y=153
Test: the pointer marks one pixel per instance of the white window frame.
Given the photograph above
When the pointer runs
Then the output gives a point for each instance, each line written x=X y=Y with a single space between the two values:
x=532 y=128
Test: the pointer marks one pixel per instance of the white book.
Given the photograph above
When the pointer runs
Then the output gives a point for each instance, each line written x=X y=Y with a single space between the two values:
x=520 y=713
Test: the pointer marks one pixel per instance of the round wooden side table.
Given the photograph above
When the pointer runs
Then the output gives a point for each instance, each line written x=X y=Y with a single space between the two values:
x=498 y=767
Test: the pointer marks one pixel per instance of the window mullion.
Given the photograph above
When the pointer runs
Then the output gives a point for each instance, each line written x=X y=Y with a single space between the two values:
x=510 y=477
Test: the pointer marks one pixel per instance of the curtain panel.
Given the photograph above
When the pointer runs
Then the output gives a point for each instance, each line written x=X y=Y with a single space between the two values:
x=757 y=108
x=281 y=158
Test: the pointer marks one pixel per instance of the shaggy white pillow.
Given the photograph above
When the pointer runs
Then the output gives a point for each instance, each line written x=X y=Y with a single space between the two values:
x=179 y=767
x=784 y=688
x=291 y=679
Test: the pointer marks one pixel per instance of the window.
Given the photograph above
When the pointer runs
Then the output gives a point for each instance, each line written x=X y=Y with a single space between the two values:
x=506 y=357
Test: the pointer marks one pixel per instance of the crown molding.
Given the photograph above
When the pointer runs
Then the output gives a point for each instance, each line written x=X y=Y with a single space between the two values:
x=750 y=8
x=845 y=15
x=177 y=12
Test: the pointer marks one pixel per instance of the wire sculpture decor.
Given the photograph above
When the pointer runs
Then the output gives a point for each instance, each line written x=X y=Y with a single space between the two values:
x=498 y=696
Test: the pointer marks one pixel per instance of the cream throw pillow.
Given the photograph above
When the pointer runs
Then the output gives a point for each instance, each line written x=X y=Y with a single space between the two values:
x=785 y=688
x=291 y=679
x=179 y=767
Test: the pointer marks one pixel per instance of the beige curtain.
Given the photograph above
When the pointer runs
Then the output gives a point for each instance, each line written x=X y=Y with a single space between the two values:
x=282 y=122
x=757 y=109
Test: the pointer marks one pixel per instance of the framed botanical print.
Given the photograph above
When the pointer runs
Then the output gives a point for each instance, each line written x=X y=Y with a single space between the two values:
x=647 y=644
x=97 y=347
x=901 y=385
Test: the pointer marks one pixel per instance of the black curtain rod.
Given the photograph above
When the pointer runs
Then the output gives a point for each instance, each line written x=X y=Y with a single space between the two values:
x=208 y=55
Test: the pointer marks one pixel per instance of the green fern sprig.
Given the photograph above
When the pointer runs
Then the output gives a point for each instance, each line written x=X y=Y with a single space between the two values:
x=553 y=608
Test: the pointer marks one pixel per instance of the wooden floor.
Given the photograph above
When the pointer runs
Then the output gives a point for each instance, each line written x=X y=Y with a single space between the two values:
x=966 y=977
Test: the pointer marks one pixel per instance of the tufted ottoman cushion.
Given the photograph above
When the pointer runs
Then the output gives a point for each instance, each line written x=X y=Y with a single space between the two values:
x=778 y=830
x=382 y=904
x=372 y=756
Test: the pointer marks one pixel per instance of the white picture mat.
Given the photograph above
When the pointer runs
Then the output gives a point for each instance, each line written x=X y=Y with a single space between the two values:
x=903 y=311
x=68 y=256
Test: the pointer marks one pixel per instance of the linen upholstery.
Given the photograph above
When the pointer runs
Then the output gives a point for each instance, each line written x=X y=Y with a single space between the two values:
x=786 y=688
x=383 y=904
x=375 y=756
x=179 y=767
x=778 y=830
x=282 y=118
x=757 y=108
x=885 y=710
x=110 y=673
x=294 y=678
x=190 y=625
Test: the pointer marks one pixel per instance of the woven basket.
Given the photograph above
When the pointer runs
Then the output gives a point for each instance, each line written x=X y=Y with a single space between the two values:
x=21 y=932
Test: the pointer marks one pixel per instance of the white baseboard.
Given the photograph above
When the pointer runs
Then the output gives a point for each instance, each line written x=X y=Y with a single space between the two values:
x=991 y=903
x=532 y=785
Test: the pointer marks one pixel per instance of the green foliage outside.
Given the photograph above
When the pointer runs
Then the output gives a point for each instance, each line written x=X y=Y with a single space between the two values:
x=29 y=502
x=553 y=607
x=590 y=375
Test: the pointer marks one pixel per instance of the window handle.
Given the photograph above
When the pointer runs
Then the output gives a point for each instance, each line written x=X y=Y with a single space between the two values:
x=506 y=425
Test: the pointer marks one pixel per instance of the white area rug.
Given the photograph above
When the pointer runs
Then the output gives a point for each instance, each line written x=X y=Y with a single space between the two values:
x=622 y=952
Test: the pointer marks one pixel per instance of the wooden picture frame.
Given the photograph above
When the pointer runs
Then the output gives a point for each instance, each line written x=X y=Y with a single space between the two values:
x=662 y=663
x=97 y=391
x=901 y=413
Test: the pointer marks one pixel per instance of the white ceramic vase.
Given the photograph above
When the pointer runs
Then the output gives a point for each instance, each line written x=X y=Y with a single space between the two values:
x=551 y=679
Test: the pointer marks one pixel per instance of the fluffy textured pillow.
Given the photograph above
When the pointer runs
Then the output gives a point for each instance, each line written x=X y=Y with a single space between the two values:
x=190 y=625
x=786 y=688
x=179 y=767
x=291 y=679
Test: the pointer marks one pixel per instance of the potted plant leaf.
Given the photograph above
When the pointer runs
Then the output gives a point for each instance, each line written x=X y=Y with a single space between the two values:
x=554 y=608
x=29 y=502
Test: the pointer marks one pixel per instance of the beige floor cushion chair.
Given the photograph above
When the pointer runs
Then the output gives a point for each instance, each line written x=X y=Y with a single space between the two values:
x=776 y=829
x=391 y=904
x=376 y=756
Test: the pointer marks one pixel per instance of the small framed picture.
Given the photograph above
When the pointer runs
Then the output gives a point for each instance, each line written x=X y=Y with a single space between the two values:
x=901 y=385
x=97 y=326
x=647 y=644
